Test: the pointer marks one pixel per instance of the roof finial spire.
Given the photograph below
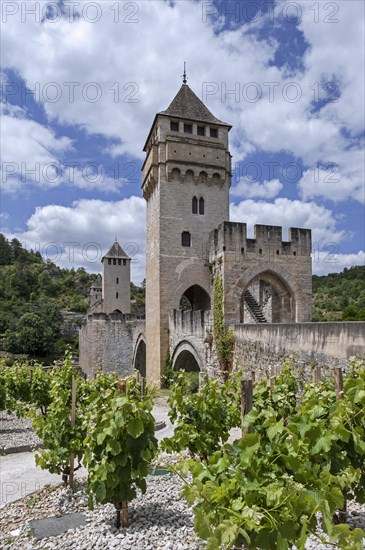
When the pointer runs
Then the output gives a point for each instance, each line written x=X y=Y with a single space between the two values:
x=185 y=79
x=116 y=239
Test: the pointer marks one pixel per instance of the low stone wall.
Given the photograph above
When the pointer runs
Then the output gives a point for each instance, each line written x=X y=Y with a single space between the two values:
x=262 y=347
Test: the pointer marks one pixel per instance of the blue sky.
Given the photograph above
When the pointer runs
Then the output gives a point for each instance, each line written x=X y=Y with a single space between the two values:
x=81 y=83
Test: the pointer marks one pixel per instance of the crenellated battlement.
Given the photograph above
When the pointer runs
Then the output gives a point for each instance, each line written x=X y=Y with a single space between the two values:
x=268 y=240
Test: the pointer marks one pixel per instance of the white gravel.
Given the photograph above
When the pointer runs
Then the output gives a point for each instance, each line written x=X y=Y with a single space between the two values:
x=15 y=432
x=159 y=520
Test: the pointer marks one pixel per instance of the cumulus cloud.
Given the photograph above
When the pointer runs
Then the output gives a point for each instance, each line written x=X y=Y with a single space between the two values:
x=332 y=183
x=246 y=187
x=290 y=213
x=79 y=235
x=96 y=73
x=33 y=154
x=327 y=239
x=332 y=261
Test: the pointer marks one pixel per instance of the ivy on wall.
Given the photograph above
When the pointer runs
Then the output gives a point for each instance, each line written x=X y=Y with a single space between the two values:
x=224 y=339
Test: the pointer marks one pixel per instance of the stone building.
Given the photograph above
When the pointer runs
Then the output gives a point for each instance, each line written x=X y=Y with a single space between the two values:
x=186 y=181
x=267 y=281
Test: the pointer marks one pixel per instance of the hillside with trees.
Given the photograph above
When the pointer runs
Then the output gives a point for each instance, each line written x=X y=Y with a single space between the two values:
x=33 y=294
x=340 y=296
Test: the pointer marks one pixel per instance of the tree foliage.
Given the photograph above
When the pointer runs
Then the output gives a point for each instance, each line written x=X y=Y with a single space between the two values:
x=340 y=296
x=223 y=338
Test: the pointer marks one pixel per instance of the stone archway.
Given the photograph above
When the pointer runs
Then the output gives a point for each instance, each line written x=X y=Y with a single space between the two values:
x=195 y=298
x=267 y=299
x=139 y=362
x=289 y=298
x=186 y=358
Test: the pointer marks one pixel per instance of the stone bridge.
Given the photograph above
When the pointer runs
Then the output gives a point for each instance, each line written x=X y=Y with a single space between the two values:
x=115 y=343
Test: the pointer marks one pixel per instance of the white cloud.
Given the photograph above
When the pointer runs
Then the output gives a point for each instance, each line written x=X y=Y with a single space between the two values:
x=248 y=188
x=331 y=261
x=327 y=248
x=80 y=234
x=124 y=68
x=33 y=155
x=290 y=213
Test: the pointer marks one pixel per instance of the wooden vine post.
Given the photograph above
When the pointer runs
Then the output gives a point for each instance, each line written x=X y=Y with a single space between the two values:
x=122 y=507
x=73 y=422
x=339 y=395
x=317 y=375
x=246 y=401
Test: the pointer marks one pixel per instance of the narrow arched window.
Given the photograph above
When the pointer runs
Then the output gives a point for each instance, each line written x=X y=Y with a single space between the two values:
x=185 y=238
x=201 y=205
x=195 y=205
x=117 y=295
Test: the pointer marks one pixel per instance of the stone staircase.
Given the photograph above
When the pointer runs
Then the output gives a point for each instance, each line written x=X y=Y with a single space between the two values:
x=254 y=307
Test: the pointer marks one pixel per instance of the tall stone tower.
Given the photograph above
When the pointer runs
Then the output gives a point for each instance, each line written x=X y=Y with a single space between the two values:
x=116 y=280
x=186 y=180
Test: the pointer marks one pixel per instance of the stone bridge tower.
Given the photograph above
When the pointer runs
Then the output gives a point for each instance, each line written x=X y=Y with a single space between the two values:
x=116 y=280
x=186 y=180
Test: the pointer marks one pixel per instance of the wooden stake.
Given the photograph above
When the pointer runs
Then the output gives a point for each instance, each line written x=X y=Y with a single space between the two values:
x=73 y=421
x=125 y=519
x=272 y=382
x=122 y=386
x=317 y=375
x=339 y=382
x=339 y=395
x=246 y=400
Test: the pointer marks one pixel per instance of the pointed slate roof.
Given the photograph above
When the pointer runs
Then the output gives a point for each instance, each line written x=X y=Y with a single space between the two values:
x=116 y=251
x=186 y=104
x=97 y=283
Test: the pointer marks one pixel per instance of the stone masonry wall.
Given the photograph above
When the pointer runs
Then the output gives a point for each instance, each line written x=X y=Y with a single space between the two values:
x=192 y=331
x=261 y=348
x=286 y=266
x=106 y=343
x=178 y=167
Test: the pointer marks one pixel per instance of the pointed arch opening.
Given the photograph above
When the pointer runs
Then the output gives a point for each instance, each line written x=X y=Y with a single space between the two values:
x=267 y=299
x=140 y=358
x=195 y=298
x=185 y=359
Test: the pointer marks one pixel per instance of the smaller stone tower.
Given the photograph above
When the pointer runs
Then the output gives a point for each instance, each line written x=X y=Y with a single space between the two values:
x=95 y=295
x=116 y=280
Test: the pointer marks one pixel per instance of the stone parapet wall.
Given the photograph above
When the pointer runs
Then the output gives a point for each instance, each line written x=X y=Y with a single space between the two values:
x=268 y=240
x=262 y=348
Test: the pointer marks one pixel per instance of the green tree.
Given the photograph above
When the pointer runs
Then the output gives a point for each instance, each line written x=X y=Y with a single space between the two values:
x=32 y=335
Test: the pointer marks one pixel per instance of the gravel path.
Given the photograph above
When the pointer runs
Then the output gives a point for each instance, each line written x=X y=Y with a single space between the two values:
x=15 y=432
x=159 y=520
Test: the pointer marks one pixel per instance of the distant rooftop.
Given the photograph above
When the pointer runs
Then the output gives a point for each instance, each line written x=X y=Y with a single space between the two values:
x=97 y=283
x=186 y=104
x=116 y=251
